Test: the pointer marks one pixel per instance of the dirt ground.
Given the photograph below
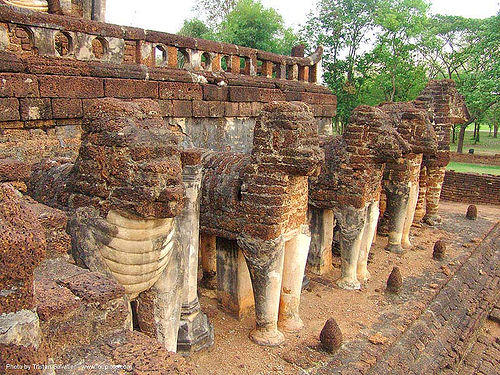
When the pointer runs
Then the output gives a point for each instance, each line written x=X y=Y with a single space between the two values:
x=355 y=311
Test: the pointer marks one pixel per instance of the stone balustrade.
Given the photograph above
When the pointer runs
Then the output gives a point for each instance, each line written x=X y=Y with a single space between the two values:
x=24 y=32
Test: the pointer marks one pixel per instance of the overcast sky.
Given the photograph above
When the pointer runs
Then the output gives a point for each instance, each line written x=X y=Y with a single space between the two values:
x=169 y=15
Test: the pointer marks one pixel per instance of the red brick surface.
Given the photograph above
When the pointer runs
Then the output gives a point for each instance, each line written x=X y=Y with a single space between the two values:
x=130 y=88
x=67 y=108
x=71 y=87
x=9 y=109
x=471 y=188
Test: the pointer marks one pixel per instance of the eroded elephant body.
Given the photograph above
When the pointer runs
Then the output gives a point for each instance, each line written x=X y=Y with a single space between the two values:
x=401 y=177
x=125 y=189
x=446 y=107
x=260 y=201
x=350 y=183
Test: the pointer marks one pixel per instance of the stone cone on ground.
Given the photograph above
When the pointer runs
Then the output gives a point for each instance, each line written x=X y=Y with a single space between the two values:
x=331 y=336
x=471 y=212
x=439 y=250
x=395 y=281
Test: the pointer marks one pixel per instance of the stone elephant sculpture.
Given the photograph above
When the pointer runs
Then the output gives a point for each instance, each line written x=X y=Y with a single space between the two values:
x=254 y=208
x=350 y=182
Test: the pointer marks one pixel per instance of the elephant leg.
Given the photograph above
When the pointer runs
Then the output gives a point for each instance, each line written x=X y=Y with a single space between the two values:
x=397 y=203
x=159 y=308
x=422 y=192
x=265 y=263
x=294 y=264
x=321 y=224
x=369 y=232
x=435 y=178
x=410 y=212
x=208 y=246
x=351 y=223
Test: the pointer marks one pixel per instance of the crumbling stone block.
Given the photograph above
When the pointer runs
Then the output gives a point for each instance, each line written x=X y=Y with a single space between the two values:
x=350 y=184
x=22 y=247
x=401 y=176
x=446 y=107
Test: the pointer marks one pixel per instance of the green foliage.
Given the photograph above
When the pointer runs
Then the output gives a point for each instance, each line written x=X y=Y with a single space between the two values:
x=474 y=168
x=387 y=50
x=243 y=22
x=250 y=24
x=479 y=79
x=214 y=11
x=343 y=27
x=196 y=28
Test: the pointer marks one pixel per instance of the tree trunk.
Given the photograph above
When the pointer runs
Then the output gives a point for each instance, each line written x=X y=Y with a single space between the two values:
x=461 y=136
x=495 y=130
x=478 y=125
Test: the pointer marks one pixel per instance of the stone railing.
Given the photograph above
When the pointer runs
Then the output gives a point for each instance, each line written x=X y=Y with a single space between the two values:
x=25 y=33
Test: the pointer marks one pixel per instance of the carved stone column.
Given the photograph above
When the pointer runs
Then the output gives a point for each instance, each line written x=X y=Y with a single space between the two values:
x=195 y=332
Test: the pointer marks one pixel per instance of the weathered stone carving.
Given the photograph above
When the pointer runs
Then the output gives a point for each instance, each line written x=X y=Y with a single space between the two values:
x=446 y=107
x=350 y=183
x=401 y=177
x=126 y=187
x=260 y=201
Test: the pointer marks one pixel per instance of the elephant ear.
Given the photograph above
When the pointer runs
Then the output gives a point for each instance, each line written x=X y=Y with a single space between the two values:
x=260 y=254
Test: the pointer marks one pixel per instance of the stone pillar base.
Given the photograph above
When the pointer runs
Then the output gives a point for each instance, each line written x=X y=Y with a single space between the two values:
x=195 y=331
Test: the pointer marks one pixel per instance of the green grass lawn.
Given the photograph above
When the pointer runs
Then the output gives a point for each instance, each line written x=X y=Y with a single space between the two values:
x=486 y=146
x=474 y=168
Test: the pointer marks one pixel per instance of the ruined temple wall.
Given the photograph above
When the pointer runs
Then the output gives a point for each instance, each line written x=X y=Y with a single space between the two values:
x=475 y=158
x=50 y=66
x=471 y=188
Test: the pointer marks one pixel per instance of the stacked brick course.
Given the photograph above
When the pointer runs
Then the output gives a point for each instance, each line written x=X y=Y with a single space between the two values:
x=475 y=158
x=471 y=188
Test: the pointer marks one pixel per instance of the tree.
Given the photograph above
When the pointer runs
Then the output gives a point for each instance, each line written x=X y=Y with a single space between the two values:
x=343 y=27
x=250 y=24
x=400 y=23
x=215 y=11
x=197 y=29
x=479 y=80
x=370 y=49
x=442 y=44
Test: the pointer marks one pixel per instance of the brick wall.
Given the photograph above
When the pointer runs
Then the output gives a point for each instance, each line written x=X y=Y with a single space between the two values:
x=475 y=159
x=471 y=188
x=51 y=66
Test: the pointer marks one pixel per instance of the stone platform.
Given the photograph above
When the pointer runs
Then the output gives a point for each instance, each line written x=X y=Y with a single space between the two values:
x=444 y=329
x=435 y=325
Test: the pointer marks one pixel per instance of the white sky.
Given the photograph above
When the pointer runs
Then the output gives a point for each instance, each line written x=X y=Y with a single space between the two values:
x=169 y=15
